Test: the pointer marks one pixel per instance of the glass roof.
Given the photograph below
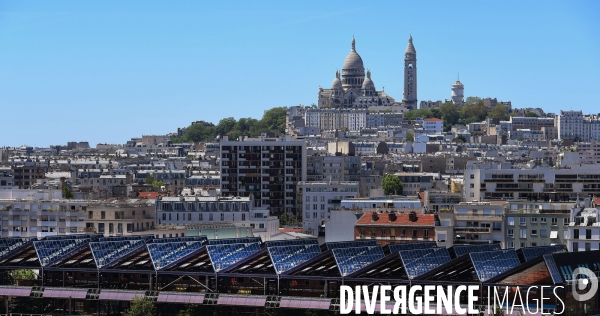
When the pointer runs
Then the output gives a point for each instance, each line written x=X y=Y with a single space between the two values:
x=163 y=254
x=109 y=251
x=179 y=239
x=222 y=256
x=303 y=241
x=351 y=259
x=243 y=240
x=136 y=237
x=553 y=269
x=8 y=245
x=461 y=250
x=49 y=251
x=73 y=236
x=346 y=244
x=287 y=257
x=419 y=261
x=489 y=264
x=530 y=253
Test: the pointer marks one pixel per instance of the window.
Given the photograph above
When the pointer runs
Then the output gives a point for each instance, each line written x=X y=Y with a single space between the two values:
x=523 y=244
x=307 y=198
x=314 y=215
x=472 y=176
x=472 y=185
x=472 y=194
x=588 y=234
x=441 y=238
x=554 y=221
x=534 y=244
x=261 y=225
x=200 y=216
x=510 y=244
x=414 y=233
x=511 y=233
x=403 y=232
x=222 y=217
x=307 y=207
x=314 y=199
x=189 y=216
x=511 y=221
x=425 y=233
x=383 y=234
x=534 y=220
x=243 y=217
x=566 y=221
x=322 y=198
x=543 y=232
x=307 y=215
x=543 y=220
x=523 y=221
x=90 y=215
x=102 y=215
x=575 y=247
x=314 y=206
x=210 y=217
x=322 y=206
x=523 y=233
x=534 y=232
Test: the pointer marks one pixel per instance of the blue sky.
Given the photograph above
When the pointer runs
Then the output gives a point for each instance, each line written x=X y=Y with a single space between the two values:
x=106 y=71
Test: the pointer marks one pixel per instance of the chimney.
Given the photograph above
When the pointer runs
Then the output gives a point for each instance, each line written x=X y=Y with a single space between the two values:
x=392 y=216
x=374 y=217
x=412 y=216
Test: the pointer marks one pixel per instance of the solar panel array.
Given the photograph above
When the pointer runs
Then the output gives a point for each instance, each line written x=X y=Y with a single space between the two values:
x=534 y=252
x=289 y=256
x=419 y=261
x=290 y=242
x=354 y=258
x=180 y=239
x=8 y=245
x=349 y=244
x=49 y=251
x=224 y=255
x=163 y=254
x=145 y=238
x=245 y=240
x=74 y=236
x=108 y=251
x=553 y=269
x=489 y=264
x=412 y=246
x=461 y=250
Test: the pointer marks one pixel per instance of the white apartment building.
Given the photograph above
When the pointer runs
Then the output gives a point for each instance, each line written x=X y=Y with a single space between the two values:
x=584 y=229
x=573 y=124
x=238 y=211
x=40 y=213
x=433 y=125
x=470 y=223
x=318 y=198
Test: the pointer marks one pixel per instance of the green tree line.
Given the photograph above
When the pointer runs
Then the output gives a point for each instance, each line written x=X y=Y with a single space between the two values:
x=471 y=111
x=273 y=120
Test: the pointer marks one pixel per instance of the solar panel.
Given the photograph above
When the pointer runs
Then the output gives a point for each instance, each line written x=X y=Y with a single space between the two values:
x=49 y=251
x=225 y=255
x=553 y=269
x=245 y=240
x=534 y=252
x=419 y=261
x=412 y=246
x=349 y=244
x=290 y=242
x=109 y=251
x=289 y=256
x=489 y=264
x=145 y=238
x=351 y=259
x=180 y=239
x=163 y=254
x=461 y=250
x=74 y=236
x=8 y=245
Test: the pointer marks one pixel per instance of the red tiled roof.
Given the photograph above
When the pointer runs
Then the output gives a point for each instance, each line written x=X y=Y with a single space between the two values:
x=432 y=119
x=149 y=195
x=401 y=220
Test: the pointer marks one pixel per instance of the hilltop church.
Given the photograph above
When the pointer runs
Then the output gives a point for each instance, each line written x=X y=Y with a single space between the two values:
x=352 y=90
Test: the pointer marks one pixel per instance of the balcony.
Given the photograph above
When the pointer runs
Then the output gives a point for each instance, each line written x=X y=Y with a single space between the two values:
x=14 y=223
x=472 y=229
x=14 y=234
x=46 y=223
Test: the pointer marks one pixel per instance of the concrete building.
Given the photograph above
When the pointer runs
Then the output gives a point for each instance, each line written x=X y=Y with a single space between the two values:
x=188 y=211
x=333 y=168
x=415 y=182
x=40 y=213
x=120 y=217
x=318 y=198
x=584 y=229
x=268 y=168
x=470 y=223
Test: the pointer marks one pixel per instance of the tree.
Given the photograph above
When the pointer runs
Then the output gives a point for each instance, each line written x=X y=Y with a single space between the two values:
x=158 y=184
x=67 y=193
x=392 y=185
x=410 y=137
x=499 y=111
x=149 y=179
x=461 y=138
x=141 y=307
x=450 y=114
x=473 y=110
x=15 y=275
x=531 y=114
x=413 y=114
x=287 y=220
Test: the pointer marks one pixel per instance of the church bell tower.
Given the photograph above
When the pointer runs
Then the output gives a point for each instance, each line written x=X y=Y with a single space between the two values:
x=410 y=76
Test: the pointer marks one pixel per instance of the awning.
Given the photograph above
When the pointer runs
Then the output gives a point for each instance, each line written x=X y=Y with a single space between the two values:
x=554 y=234
x=309 y=303
x=15 y=291
x=180 y=298
x=241 y=300
x=120 y=295
x=62 y=293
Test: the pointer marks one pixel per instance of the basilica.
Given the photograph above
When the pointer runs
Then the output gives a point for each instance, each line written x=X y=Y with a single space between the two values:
x=354 y=89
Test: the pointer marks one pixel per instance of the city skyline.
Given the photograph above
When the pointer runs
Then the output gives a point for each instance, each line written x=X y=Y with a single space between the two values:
x=106 y=72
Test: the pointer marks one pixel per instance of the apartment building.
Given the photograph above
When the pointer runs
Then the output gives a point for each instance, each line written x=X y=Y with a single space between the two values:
x=26 y=175
x=391 y=227
x=532 y=224
x=470 y=223
x=574 y=125
x=120 y=217
x=40 y=213
x=268 y=168
x=317 y=198
x=415 y=182
x=502 y=181
x=584 y=229
x=7 y=178
x=333 y=168
x=180 y=211
x=532 y=123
